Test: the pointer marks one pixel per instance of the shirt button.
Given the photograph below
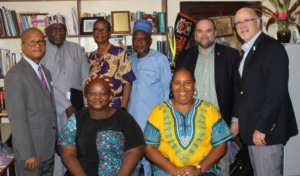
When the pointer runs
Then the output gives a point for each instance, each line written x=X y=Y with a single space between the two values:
x=205 y=81
x=205 y=94
x=205 y=70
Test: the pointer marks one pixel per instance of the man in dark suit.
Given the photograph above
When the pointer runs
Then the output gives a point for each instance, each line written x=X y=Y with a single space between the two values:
x=30 y=108
x=215 y=68
x=265 y=112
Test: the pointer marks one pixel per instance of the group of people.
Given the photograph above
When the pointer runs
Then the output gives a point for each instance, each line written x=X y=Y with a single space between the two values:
x=128 y=124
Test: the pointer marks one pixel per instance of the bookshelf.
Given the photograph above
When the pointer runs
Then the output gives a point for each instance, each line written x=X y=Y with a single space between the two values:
x=82 y=6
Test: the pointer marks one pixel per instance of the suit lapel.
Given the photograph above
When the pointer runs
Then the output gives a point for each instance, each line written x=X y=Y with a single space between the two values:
x=194 y=59
x=34 y=76
x=253 y=49
x=218 y=64
x=239 y=74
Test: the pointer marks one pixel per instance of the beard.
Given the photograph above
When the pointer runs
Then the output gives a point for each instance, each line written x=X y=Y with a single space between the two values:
x=207 y=45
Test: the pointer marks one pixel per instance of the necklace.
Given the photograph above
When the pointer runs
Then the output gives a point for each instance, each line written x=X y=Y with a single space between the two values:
x=101 y=57
x=98 y=118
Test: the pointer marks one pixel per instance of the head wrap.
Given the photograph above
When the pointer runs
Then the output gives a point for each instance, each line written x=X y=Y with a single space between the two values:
x=99 y=79
x=53 y=19
x=143 y=25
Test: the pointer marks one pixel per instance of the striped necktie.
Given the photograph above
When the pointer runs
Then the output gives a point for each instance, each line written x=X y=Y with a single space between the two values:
x=44 y=82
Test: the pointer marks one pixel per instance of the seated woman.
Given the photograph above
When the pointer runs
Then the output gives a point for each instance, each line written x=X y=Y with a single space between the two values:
x=185 y=136
x=112 y=62
x=101 y=140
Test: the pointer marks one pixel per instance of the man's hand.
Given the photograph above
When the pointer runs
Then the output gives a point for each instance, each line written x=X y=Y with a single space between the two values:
x=234 y=128
x=259 y=139
x=71 y=110
x=31 y=164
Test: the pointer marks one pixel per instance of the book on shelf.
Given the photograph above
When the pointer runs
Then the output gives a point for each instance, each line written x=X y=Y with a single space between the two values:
x=8 y=60
x=161 y=22
x=14 y=24
x=75 y=23
x=159 y=46
x=2 y=104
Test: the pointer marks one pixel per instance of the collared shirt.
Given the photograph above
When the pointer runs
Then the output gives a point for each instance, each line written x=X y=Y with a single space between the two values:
x=246 y=47
x=151 y=87
x=205 y=77
x=69 y=68
x=35 y=68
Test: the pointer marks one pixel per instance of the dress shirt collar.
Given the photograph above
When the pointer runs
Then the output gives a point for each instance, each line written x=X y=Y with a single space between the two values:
x=33 y=64
x=209 y=51
x=246 y=47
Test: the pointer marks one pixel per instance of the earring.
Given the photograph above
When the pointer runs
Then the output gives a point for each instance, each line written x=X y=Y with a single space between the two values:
x=171 y=91
x=195 y=92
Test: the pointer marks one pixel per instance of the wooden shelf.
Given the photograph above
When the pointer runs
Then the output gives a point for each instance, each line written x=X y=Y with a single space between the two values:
x=10 y=37
x=2 y=77
x=32 y=0
x=77 y=36
x=3 y=115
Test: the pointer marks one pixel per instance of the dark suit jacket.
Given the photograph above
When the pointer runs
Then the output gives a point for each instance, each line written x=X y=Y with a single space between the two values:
x=226 y=67
x=264 y=101
x=31 y=112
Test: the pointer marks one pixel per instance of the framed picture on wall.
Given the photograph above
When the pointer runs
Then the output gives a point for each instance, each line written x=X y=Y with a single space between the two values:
x=120 y=22
x=39 y=24
x=223 y=25
x=87 y=25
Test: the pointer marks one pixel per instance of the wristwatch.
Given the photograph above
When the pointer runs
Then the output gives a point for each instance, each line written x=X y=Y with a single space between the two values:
x=199 y=168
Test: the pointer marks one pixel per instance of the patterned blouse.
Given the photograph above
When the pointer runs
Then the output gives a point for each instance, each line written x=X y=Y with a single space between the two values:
x=185 y=140
x=116 y=67
x=101 y=144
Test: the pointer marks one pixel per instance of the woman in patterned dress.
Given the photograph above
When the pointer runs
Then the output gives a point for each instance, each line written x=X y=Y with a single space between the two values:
x=101 y=140
x=112 y=62
x=185 y=136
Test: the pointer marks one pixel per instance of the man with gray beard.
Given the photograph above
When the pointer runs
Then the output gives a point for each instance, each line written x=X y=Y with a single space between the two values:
x=215 y=67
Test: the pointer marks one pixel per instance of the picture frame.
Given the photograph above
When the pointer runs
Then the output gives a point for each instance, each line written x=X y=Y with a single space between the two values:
x=87 y=25
x=38 y=24
x=120 y=22
x=223 y=25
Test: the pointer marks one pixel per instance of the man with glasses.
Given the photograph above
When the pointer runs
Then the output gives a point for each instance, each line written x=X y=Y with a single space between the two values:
x=215 y=69
x=265 y=112
x=30 y=107
x=69 y=69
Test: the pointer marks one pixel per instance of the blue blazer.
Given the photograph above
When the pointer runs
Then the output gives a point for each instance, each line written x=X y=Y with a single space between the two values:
x=264 y=100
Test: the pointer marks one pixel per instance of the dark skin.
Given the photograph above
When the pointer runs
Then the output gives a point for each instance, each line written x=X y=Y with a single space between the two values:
x=141 y=42
x=102 y=40
x=34 y=53
x=98 y=98
x=56 y=34
x=183 y=87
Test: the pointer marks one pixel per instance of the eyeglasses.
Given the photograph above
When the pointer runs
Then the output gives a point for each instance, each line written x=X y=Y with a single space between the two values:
x=103 y=30
x=246 y=22
x=33 y=43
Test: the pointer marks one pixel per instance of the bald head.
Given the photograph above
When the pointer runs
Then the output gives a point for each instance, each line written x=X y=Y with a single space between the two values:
x=247 y=23
x=248 y=11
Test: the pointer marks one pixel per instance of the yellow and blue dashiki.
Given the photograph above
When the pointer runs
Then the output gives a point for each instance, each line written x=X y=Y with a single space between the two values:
x=116 y=67
x=185 y=140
